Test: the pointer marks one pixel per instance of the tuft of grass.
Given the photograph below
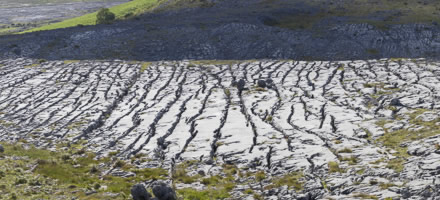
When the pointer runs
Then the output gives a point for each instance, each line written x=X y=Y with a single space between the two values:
x=396 y=164
x=352 y=160
x=259 y=176
x=227 y=92
x=269 y=118
x=210 y=193
x=213 y=180
x=373 y=182
x=180 y=174
x=248 y=191
x=292 y=180
x=70 y=61
x=361 y=171
x=30 y=66
x=345 y=150
x=144 y=66
x=333 y=167
x=365 y=196
x=385 y=186
x=258 y=197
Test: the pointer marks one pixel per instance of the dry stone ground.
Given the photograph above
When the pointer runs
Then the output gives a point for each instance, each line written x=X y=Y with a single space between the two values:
x=352 y=128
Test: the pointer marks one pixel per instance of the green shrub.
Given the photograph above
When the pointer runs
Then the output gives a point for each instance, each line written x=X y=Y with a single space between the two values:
x=105 y=16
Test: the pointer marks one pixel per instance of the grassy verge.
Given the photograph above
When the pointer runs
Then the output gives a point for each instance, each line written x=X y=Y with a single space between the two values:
x=70 y=172
x=121 y=11
x=394 y=139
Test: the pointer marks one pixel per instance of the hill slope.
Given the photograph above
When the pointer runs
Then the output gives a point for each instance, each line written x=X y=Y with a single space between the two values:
x=121 y=11
x=249 y=29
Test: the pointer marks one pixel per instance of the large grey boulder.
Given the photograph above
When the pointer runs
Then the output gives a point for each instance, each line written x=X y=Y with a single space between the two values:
x=163 y=192
x=395 y=102
x=2 y=149
x=138 y=192
x=241 y=84
x=261 y=83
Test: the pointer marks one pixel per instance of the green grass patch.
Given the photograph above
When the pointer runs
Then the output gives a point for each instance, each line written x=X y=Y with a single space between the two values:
x=345 y=150
x=352 y=160
x=393 y=140
x=292 y=180
x=70 y=61
x=333 y=167
x=180 y=173
x=385 y=186
x=66 y=171
x=122 y=11
x=259 y=176
x=30 y=66
x=212 y=193
x=365 y=196
x=144 y=66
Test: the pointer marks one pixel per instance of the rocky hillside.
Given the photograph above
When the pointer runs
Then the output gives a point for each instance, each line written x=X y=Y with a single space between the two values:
x=247 y=29
x=268 y=129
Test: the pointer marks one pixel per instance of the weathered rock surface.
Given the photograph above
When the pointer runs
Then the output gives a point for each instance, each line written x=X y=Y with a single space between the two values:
x=237 y=30
x=315 y=114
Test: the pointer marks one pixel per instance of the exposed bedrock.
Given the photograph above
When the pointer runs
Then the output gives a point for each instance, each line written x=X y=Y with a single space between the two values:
x=340 y=129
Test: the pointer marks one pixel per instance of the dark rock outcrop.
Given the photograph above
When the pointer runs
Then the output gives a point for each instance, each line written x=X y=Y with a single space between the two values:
x=138 y=192
x=261 y=83
x=241 y=85
x=163 y=192
x=395 y=102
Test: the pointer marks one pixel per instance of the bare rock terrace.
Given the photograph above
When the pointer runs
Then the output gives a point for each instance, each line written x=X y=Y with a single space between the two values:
x=349 y=129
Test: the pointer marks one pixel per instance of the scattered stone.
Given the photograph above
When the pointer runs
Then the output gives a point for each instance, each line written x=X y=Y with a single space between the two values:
x=261 y=83
x=428 y=116
x=396 y=102
x=397 y=125
x=164 y=192
x=201 y=173
x=2 y=149
x=241 y=84
x=138 y=192
x=121 y=173
x=416 y=150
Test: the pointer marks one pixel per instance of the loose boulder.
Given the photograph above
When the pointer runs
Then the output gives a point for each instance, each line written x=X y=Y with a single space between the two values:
x=163 y=192
x=269 y=83
x=261 y=83
x=138 y=192
x=241 y=84
x=2 y=149
x=395 y=102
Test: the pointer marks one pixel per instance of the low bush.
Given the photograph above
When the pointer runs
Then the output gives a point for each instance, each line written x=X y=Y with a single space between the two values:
x=105 y=16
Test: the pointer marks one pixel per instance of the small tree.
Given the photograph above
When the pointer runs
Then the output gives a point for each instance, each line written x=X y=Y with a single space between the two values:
x=105 y=16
